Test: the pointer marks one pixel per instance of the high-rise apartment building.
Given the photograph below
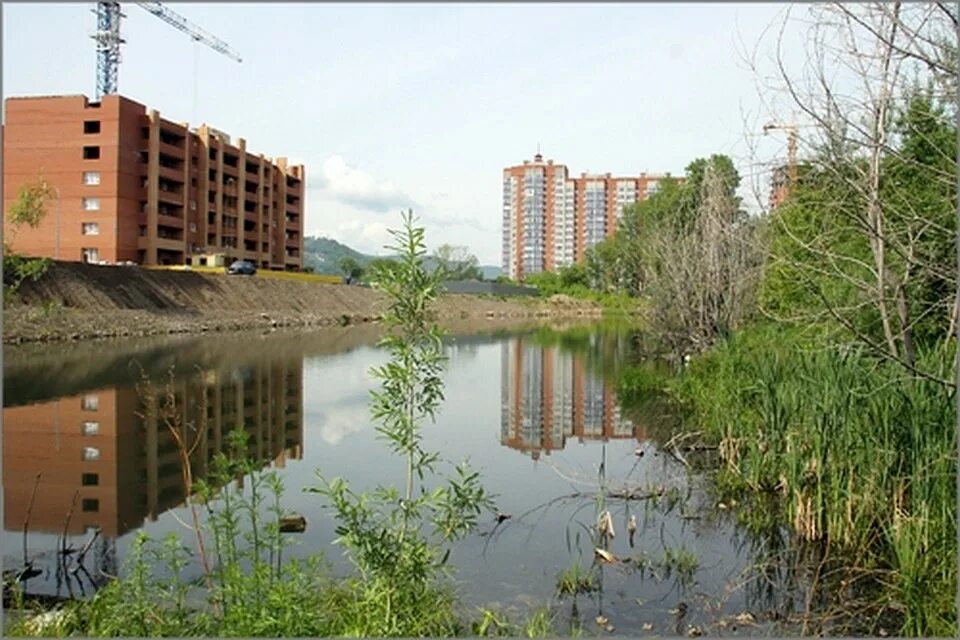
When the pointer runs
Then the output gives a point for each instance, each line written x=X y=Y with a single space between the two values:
x=132 y=186
x=550 y=219
x=547 y=395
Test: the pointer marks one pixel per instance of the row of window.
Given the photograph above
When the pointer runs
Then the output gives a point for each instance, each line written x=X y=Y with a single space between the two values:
x=90 y=402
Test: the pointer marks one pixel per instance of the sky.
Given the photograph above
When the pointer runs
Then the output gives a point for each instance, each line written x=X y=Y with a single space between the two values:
x=396 y=106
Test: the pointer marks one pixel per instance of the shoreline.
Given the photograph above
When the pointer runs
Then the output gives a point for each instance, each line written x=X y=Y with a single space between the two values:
x=76 y=301
x=25 y=324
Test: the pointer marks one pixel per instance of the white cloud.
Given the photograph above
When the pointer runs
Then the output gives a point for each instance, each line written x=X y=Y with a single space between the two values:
x=364 y=236
x=353 y=186
x=338 y=423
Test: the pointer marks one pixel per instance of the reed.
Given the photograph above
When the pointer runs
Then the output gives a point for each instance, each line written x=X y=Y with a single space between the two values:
x=862 y=454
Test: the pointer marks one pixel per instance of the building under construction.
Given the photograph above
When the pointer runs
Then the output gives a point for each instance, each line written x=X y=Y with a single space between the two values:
x=131 y=186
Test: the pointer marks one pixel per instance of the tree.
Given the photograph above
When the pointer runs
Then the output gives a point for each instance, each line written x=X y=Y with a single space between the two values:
x=866 y=236
x=457 y=263
x=352 y=270
x=701 y=268
x=30 y=207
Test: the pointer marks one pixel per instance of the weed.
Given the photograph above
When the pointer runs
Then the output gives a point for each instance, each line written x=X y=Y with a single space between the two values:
x=574 y=580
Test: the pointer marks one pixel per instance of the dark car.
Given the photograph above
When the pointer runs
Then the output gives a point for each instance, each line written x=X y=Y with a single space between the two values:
x=242 y=268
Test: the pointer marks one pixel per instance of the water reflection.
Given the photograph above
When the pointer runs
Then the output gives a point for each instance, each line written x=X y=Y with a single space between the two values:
x=107 y=459
x=75 y=414
x=548 y=394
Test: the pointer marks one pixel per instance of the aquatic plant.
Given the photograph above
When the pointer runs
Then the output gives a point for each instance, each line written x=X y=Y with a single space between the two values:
x=861 y=453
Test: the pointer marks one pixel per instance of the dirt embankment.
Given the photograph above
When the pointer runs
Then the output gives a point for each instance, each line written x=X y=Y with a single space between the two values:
x=75 y=301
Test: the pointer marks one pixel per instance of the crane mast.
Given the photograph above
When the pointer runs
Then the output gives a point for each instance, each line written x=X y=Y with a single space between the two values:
x=108 y=40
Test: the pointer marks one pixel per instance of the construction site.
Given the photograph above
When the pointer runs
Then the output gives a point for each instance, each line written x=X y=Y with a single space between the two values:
x=129 y=186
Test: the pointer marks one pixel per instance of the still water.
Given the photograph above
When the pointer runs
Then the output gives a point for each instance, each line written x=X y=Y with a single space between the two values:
x=536 y=412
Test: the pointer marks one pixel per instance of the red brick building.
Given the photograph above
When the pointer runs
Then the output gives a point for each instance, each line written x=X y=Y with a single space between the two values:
x=132 y=186
x=551 y=219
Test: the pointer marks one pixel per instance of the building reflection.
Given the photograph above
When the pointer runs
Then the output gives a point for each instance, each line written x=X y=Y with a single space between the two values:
x=114 y=450
x=548 y=395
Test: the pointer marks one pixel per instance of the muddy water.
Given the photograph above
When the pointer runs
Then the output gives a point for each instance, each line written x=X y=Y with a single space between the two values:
x=537 y=415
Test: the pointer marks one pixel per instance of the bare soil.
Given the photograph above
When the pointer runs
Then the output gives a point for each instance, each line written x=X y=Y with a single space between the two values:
x=74 y=301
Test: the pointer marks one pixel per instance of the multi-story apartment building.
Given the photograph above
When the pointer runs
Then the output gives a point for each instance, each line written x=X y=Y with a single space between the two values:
x=547 y=395
x=550 y=219
x=113 y=452
x=133 y=186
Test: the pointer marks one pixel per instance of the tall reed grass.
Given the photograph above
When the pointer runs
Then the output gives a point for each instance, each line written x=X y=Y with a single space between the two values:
x=862 y=453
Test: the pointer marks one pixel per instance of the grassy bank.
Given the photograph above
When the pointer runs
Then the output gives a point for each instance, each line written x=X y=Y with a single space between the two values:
x=857 y=454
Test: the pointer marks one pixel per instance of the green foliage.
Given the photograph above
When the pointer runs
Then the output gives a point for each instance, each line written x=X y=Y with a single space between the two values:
x=824 y=253
x=862 y=455
x=457 y=263
x=350 y=268
x=576 y=579
x=385 y=532
x=30 y=207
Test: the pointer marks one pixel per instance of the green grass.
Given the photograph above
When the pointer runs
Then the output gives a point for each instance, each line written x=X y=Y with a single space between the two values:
x=576 y=579
x=861 y=455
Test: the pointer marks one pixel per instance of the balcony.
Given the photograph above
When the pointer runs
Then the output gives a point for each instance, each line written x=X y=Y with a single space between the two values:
x=170 y=221
x=170 y=197
x=171 y=150
x=171 y=173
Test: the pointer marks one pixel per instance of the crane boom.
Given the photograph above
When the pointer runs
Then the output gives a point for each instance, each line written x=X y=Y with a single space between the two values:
x=200 y=35
x=108 y=40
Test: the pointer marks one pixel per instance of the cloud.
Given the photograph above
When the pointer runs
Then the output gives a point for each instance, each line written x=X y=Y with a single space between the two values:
x=357 y=188
x=456 y=221
x=338 y=423
x=365 y=236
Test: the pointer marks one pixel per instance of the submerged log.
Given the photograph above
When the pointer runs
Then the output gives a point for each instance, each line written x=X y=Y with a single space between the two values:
x=293 y=524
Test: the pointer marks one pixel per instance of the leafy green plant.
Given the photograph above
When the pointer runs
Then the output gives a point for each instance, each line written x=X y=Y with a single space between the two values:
x=576 y=579
x=396 y=539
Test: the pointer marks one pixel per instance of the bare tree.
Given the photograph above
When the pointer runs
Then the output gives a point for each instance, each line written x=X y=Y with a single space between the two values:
x=705 y=277
x=863 y=63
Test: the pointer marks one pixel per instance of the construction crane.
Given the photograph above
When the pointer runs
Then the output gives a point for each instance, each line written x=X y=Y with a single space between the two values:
x=791 y=130
x=108 y=40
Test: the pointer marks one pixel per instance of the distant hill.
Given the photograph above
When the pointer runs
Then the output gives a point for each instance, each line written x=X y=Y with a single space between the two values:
x=322 y=254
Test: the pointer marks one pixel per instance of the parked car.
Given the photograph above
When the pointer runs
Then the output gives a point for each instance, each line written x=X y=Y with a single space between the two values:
x=242 y=268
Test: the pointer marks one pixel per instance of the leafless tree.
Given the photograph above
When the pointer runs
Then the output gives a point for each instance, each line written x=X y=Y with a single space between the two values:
x=706 y=276
x=862 y=63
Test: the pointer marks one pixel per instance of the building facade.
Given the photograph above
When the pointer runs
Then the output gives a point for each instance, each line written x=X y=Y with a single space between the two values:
x=548 y=395
x=132 y=186
x=550 y=219
x=112 y=450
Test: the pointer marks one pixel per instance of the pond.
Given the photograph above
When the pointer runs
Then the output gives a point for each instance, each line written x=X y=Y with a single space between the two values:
x=534 y=409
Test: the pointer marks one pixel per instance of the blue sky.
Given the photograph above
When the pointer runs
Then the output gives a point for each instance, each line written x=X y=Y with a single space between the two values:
x=422 y=105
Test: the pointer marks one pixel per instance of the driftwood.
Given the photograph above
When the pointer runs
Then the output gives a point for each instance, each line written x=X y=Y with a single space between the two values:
x=293 y=524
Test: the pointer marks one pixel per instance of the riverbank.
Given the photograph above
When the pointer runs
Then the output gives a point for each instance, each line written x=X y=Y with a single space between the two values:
x=75 y=301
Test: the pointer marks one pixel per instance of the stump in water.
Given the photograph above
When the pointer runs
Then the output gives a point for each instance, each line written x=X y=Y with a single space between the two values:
x=293 y=524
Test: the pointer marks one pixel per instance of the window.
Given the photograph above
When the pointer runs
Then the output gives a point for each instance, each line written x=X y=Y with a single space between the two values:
x=193 y=227
x=90 y=229
x=91 y=178
x=91 y=126
x=193 y=205
x=90 y=505
x=91 y=255
x=90 y=479
x=91 y=153
x=91 y=428
x=91 y=453
x=91 y=204
x=91 y=402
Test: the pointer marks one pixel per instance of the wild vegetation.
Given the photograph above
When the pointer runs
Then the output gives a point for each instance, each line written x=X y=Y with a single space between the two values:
x=396 y=538
x=827 y=327
x=29 y=209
